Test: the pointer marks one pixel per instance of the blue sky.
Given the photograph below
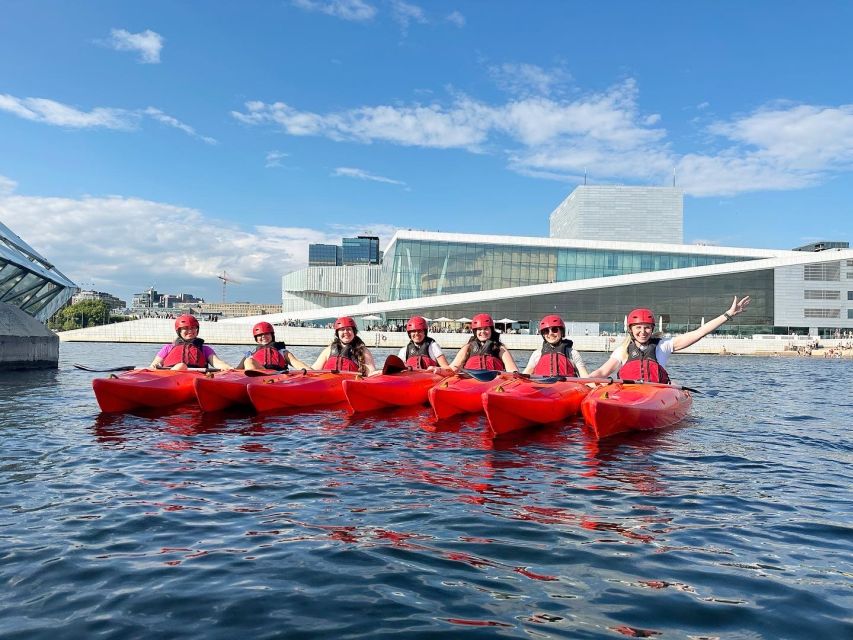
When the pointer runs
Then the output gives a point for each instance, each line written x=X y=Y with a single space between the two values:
x=160 y=143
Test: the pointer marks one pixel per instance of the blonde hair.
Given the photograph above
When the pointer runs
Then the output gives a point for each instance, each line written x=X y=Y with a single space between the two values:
x=622 y=351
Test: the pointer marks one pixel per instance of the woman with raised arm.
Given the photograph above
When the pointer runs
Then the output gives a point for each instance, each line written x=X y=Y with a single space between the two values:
x=643 y=356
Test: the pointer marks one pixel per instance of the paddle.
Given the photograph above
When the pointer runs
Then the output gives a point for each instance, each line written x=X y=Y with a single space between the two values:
x=128 y=367
x=255 y=373
x=393 y=364
x=659 y=384
x=483 y=375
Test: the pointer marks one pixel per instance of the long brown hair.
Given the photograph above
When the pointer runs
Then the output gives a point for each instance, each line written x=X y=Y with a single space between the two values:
x=358 y=350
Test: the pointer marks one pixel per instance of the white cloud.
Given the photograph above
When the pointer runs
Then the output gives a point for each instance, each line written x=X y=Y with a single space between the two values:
x=63 y=115
x=274 y=159
x=7 y=186
x=147 y=44
x=456 y=19
x=361 y=174
x=352 y=10
x=127 y=244
x=405 y=13
x=527 y=79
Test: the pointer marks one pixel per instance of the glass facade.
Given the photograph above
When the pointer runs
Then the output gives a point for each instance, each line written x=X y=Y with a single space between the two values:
x=419 y=268
x=28 y=281
x=361 y=250
x=324 y=255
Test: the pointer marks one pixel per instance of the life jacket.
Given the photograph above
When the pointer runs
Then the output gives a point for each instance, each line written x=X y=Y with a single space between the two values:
x=484 y=355
x=556 y=360
x=341 y=359
x=417 y=356
x=642 y=364
x=271 y=356
x=190 y=352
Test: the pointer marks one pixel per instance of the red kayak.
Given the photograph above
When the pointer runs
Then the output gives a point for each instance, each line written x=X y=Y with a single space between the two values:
x=144 y=388
x=401 y=389
x=286 y=391
x=521 y=403
x=619 y=407
x=460 y=394
x=218 y=391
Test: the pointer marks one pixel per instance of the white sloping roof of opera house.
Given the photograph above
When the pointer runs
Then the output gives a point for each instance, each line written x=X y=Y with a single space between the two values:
x=28 y=280
x=764 y=259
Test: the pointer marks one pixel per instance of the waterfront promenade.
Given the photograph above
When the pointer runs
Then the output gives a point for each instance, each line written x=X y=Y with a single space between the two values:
x=161 y=331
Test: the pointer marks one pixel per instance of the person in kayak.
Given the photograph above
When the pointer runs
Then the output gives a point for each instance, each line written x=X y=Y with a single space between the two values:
x=188 y=350
x=422 y=352
x=643 y=355
x=484 y=349
x=347 y=351
x=556 y=356
x=270 y=354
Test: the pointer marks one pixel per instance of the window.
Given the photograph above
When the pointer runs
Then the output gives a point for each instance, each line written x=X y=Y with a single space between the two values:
x=822 y=313
x=822 y=271
x=820 y=294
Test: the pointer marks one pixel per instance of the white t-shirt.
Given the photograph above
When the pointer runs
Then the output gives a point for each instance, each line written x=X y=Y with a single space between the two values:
x=663 y=350
x=574 y=356
x=434 y=352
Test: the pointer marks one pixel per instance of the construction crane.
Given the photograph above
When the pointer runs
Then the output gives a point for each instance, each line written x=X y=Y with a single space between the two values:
x=225 y=280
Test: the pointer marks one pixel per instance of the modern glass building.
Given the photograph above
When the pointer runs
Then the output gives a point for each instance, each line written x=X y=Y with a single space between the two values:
x=361 y=250
x=596 y=281
x=324 y=255
x=28 y=280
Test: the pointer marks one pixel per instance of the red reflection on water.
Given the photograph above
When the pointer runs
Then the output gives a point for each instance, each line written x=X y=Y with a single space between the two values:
x=534 y=576
x=634 y=632
x=477 y=623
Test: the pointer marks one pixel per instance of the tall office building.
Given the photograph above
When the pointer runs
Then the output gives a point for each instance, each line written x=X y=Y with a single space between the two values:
x=324 y=255
x=361 y=250
x=617 y=213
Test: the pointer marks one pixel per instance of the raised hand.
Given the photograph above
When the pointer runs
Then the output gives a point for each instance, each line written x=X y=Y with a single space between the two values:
x=738 y=306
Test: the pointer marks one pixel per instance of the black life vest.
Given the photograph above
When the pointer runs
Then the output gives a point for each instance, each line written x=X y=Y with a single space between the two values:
x=271 y=356
x=484 y=355
x=556 y=359
x=190 y=352
x=341 y=359
x=417 y=356
x=642 y=363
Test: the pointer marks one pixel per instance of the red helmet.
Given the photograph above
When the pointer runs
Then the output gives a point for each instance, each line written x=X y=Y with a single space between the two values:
x=641 y=316
x=345 y=321
x=482 y=320
x=185 y=320
x=261 y=328
x=551 y=321
x=416 y=323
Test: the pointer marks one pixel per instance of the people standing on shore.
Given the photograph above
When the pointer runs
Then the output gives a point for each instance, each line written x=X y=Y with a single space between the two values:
x=270 y=354
x=188 y=350
x=484 y=349
x=643 y=355
x=347 y=352
x=556 y=356
x=422 y=352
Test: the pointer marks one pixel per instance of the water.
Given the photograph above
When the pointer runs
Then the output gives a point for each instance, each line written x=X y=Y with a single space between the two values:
x=736 y=524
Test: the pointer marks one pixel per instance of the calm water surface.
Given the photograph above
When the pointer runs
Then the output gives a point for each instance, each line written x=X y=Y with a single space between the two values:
x=738 y=523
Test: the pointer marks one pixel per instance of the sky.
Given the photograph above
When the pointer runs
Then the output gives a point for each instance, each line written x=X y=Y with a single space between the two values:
x=164 y=143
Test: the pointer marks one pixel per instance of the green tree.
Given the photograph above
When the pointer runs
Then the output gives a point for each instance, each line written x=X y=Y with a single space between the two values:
x=86 y=313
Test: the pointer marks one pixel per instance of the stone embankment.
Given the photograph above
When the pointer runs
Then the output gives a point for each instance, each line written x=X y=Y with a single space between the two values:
x=25 y=343
x=161 y=331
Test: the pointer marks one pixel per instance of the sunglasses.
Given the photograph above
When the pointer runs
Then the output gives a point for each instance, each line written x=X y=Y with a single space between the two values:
x=551 y=330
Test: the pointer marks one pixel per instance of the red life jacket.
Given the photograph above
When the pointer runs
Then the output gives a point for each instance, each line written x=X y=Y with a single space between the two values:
x=556 y=360
x=341 y=359
x=642 y=364
x=417 y=356
x=484 y=355
x=191 y=353
x=271 y=356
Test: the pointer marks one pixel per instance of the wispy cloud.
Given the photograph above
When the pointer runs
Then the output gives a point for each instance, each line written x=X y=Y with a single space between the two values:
x=274 y=159
x=79 y=236
x=528 y=79
x=7 y=186
x=361 y=174
x=405 y=13
x=62 y=115
x=778 y=146
x=352 y=10
x=456 y=19
x=147 y=44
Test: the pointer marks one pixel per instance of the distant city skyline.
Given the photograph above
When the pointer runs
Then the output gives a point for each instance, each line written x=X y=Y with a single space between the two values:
x=160 y=144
